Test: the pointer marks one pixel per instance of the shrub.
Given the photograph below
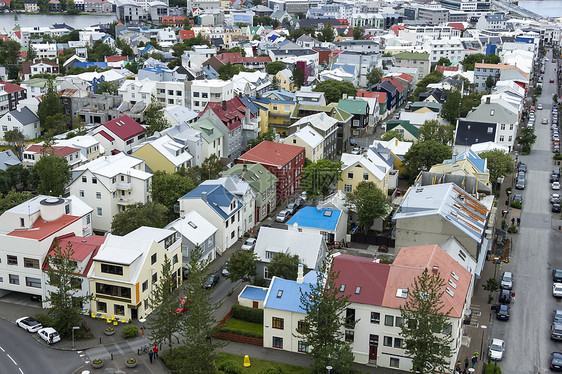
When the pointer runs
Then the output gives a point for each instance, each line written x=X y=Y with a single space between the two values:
x=273 y=370
x=229 y=367
x=516 y=204
x=557 y=156
x=174 y=359
x=44 y=319
x=130 y=331
x=492 y=369
x=512 y=229
x=247 y=314
x=260 y=282
x=250 y=334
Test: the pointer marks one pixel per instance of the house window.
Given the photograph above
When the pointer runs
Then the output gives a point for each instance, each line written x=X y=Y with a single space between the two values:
x=278 y=323
x=302 y=325
x=30 y=263
x=277 y=342
x=232 y=235
x=12 y=260
x=365 y=176
x=302 y=347
x=510 y=138
x=349 y=336
x=84 y=179
x=154 y=278
x=266 y=274
x=387 y=342
x=94 y=180
x=448 y=329
x=502 y=126
x=153 y=259
x=102 y=307
x=33 y=282
x=347 y=188
x=112 y=269
x=98 y=195
x=350 y=318
x=388 y=320
x=502 y=138
x=349 y=175
x=99 y=211
x=119 y=309
x=398 y=343
x=375 y=318
x=511 y=126
x=394 y=362
x=81 y=193
x=144 y=285
x=399 y=321
x=490 y=130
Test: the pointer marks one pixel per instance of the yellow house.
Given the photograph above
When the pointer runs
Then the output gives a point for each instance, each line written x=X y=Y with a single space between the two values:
x=465 y=166
x=366 y=167
x=285 y=80
x=164 y=154
x=127 y=269
x=311 y=140
x=397 y=149
x=275 y=114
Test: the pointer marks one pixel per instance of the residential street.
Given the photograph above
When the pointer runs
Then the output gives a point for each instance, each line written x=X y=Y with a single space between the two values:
x=536 y=251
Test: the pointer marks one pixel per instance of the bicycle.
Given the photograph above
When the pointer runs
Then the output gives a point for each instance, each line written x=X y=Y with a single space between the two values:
x=143 y=349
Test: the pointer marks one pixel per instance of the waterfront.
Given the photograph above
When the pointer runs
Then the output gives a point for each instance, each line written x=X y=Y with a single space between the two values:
x=545 y=8
x=46 y=20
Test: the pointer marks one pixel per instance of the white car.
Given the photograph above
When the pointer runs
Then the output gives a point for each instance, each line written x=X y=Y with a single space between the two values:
x=557 y=289
x=555 y=185
x=303 y=196
x=249 y=244
x=507 y=281
x=282 y=216
x=544 y=121
x=496 y=349
x=356 y=151
x=49 y=334
x=539 y=106
x=29 y=324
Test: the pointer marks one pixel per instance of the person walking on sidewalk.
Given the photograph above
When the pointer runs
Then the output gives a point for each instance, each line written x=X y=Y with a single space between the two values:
x=465 y=363
x=474 y=359
x=150 y=354
x=476 y=355
x=155 y=351
x=518 y=221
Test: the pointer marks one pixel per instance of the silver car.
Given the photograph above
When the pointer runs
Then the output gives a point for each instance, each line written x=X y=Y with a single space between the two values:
x=282 y=216
x=507 y=280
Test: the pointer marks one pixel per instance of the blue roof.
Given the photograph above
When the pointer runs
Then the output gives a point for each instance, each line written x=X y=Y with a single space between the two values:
x=146 y=49
x=254 y=293
x=254 y=109
x=210 y=72
x=280 y=44
x=347 y=68
x=272 y=37
x=285 y=294
x=156 y=69
x=265 y=100
x=479 y=163
x=88 y=64
x=281 y=94
x=217 y=196
x=309 y=216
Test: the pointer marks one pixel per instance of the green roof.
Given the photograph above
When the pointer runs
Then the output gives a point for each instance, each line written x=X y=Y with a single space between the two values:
x=435 y=107
x=412 y=56
x=393 y=123
x=36 y=82
x=353 y=106
x=256 y=175
x=208 y=130
x=317 y=108
x=341 y=115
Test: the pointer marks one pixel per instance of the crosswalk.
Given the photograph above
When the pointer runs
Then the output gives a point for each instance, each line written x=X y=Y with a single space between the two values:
x=116 y=349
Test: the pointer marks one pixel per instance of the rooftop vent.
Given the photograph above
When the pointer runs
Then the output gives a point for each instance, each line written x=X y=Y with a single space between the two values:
x=402 y=293
x=454 y=275
x=452 y=284
x=450 y=292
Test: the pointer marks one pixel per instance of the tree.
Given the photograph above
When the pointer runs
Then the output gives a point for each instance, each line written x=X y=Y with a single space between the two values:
x=425 y=331
x=334 y=90
x=444 y=61
x=65 y=303
x=490 y=82
x=275 y=67
x=284 y=265
x=374 y=76
x=327 y=33
x=433 y=130
x=19 y=177
x=154 y=117
x=56 y=124
x=358 y=33
x=99 y=51
x=111 y=88
x=237 y=49
x=369 y=202
x=318 y=178
x=491 y=285
x=50 y=104
x=471 y=59
x=210 y=169
x=423 y=155
x=163 y=322
x=433 y=77
x=325 y=318
x=167 y=188
x=468 y=102
x=150 y=214
x=451 y=108
x=16 y=140
x=499 y=163
x=266 y=136
x=242 y=266
x=50 y=175
x=391 y=135
x=229 y=70
x=298 y=76
x=12 y=199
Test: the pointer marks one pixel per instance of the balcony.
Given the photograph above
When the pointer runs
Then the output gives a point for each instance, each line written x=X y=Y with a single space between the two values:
x=124 y=186
x=121 y=201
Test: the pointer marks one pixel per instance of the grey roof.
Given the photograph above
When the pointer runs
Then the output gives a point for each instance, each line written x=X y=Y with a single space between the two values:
x=498 y=17
x=492 y=112
x=7 y=159
x=24 y=115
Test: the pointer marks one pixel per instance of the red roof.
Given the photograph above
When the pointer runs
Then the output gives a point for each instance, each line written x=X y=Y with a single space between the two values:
x=7 y=2
x=10 y=87
x=106 y=135
x=271 y=153
x=442 y=68
x=232 y=115
x=116 y=58
x=173 y=19
x=394 y=82
x=82 y=247
x=123 y=127
x=379 y=95
x=405 y=77
x=256 y=59
x=457 y=25
x=3 y=37
x=42 y=229
x=187 y=34
x=233 y=57
x=342 y=21
x=361 y=272
x=61 y=151
x=397 y=28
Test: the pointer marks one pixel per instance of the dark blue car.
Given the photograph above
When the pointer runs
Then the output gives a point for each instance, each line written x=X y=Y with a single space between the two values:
x=503 y=312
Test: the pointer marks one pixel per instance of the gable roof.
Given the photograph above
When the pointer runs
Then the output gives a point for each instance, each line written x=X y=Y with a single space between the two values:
x=285 y=294
x=381 y=96
x=194 y=227
x=215 y=196
x=492 y=112
x=123 y=127
x=405 y=124
x=61 y=151
x=42 y=229
x=369 y=160
x=209 y=132
x=8 y=159
x=10 y=87
x=353 y=106
x=271 y=153
x=24 y=115
x=231 y=115
x=256 y=175
x=82 y=248
x=394 y=82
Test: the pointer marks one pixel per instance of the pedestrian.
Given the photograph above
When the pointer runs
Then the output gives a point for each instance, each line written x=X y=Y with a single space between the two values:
x=512 y=221
x=518 y=221
x=465 y=363
x=155 y=350
x=476 y=355
x=150 y=354
x=474 y=361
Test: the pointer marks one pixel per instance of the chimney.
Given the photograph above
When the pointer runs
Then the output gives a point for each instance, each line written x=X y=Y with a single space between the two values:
x=344 y=96
x=454 y=157
x=244 y=168
x=396 y=142
x=224 y=105
x=435 y=269
x=300 y=274
x=488 y=100
x=204 y=196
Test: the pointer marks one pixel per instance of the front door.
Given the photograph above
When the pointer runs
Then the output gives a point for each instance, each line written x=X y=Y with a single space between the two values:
x=373 y=345
x=134 y=314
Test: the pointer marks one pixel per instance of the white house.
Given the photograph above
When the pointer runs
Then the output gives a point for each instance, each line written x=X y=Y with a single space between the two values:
x=205 y=91
x=326 y=222
x=34 y=152
x=311 y=140
x=121 y=134
x=22 y=119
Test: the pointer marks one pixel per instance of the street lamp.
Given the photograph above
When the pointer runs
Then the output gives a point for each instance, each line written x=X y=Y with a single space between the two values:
x=329 y=368
x=74 y=328
x=496 y=259
x=482 y=342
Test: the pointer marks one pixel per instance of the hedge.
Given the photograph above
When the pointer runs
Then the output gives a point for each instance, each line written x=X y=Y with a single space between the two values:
x=130 y=331
x=492 y=369
x=247 y=314
x=250 y=334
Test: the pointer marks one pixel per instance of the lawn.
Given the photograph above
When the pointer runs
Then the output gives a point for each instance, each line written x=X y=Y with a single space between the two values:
x=257 y=365
x=238 y=324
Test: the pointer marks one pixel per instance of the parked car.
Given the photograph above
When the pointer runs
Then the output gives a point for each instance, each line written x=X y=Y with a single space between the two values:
x=556 y=361
x=497 y=347
x=555 y=198
x=224 y=270
x=522 y=167
x=352 y=142
x=557 y=275
x=282 y=216
x=49 y=334
x=505 y=297
x=552 y=81
x=544 y=121
x=212 y=281
x=518 y=198
x=557 y=289
x=303 y=196
x=556 y=331
x=507 y=280
x=29 y=324
x=556 y=208
x=557 y=315
x=291 y=208
x=356 y=151
x=249 y=244
x=555 y=185
x=502 y=312
x=554 y=178
x=539 y=106
x=520 y=185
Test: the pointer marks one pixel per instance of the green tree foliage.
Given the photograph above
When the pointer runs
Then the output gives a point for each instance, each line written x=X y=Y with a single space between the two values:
x=327 y=33
x=434 y=130
x=499 y=163
x=297 y=33
x=391 y=135
x=229 y=70
x=334 y=90
x=168 y=188
x=471 y=59
x=284 y=265
x=99 y=51
x=451 y=108
x=325 y=309
x=237 y=49
x=491 y=285
x=275 y=67
x=358 y=33
x=374 y=76
x=150 y=214
x=426 y=323
x=56 y=124
x=12 y=199
x=187 y=45
x=318 y=178
x=298 y=76
x=526 y=138
x=9 y=52
x=163 y=322
x=64 y=299
x=210 y=169
x=16 y=140
x=433 y=77
x=490 y=82
x=444 y=61
x=266 y=21
x=50 y=175
x=423 y=155
x=19 y=177
x=154 y=117
x=468 y=102
x=109 y=87
x=50 y=105
x=242 y=266
x=266 y=136
x=369 y=202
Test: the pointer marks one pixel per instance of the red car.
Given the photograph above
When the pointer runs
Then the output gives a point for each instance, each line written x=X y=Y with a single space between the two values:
x=552 y=81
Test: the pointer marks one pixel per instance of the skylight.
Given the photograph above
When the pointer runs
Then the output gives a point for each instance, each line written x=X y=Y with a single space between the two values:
x=402 y=293
x=190 y=223
x=327 y=213
x=279 y=294
x=342 y=288
x=450 y=292
x=357 y=290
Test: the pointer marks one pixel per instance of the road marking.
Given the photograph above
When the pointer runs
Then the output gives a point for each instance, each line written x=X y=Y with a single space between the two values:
x=2 y=349
x=21 y=371
x=10 y=357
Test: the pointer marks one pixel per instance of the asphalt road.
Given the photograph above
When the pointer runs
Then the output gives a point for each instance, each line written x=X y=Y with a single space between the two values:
x=536 y=251
x=20 y=353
